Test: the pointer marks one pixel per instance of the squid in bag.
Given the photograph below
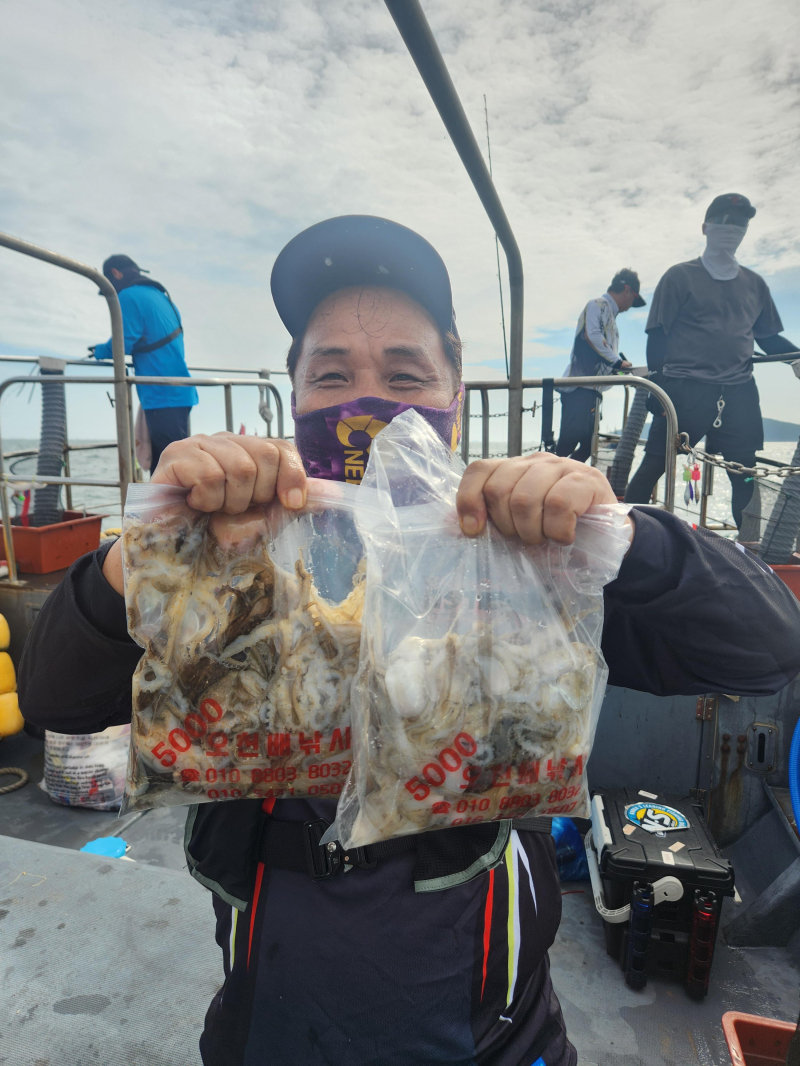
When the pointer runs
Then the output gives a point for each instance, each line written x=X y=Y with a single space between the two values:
x=480 y=675
x=251 y=626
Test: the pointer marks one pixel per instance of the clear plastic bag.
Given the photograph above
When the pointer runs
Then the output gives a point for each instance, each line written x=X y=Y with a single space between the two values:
x=86 y=769
x=250 y=627
x=481 y=676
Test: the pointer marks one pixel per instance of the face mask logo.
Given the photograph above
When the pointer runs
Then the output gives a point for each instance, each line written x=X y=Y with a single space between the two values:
x=355 y=459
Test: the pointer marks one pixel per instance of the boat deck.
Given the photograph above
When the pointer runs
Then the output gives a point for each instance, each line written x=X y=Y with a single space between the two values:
x=115 y=962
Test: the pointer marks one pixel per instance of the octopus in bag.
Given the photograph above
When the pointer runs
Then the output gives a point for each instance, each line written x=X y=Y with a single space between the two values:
x=243 y=690
x=471 y=727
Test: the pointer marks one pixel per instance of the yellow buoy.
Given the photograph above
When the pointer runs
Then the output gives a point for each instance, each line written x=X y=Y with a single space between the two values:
x=8 y=677
x=5 y=635
x=11 y=721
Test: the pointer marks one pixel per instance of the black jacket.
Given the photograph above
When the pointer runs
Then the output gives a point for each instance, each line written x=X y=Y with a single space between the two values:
x=688 y=614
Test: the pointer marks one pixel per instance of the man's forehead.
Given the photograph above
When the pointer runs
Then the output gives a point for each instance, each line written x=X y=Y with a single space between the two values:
x=374 y=309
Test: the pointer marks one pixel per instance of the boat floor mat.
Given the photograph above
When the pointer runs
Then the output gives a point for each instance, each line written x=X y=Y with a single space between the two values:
x=104 y=960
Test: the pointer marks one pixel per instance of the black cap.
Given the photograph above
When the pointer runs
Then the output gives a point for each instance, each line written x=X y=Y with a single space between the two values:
x=730 y=203
x=123 y=263
x=630 y=278
x=358 y=250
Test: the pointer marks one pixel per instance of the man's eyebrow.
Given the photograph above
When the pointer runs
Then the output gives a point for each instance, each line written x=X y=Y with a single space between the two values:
x=324 y=349
x=402 y=351
x=407 y=351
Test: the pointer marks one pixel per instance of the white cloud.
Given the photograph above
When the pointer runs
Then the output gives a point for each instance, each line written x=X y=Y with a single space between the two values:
x=200 y=137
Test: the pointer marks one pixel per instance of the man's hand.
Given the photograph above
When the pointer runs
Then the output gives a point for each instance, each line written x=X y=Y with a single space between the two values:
x=228 y=472
x=535 y=498
x=225 y=472
x=625 y=365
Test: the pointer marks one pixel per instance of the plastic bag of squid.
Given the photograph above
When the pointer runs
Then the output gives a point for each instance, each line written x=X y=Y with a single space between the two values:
x=250 y=626
x=480 y=676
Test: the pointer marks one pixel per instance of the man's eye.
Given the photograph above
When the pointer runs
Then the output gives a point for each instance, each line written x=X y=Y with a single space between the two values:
x=332 y=375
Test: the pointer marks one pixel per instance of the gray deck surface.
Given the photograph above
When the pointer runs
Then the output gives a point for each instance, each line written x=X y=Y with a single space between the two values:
x=105 y=962
x=611 y=1025
x=113 y=963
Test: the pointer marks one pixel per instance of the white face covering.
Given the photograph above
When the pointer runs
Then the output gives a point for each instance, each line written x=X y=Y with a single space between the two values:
x=719 y=258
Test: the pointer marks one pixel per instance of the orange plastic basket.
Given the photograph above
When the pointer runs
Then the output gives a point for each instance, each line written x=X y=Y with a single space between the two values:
x=756 y=1041
x=43 y=549
x=790 y=575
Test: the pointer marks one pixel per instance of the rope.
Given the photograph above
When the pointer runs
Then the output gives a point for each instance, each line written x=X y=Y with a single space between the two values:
x=52 y=438
x=780 y=535
x=629 y=438
x=23 y=779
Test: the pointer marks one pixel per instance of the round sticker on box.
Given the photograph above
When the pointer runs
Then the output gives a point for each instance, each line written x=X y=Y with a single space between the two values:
x=656 y=817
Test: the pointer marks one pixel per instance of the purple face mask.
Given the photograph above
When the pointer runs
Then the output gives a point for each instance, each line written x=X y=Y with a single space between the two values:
x=334 y=442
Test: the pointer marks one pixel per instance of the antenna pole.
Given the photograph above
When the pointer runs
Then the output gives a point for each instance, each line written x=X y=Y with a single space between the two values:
x=496 y=241
x=415 y=31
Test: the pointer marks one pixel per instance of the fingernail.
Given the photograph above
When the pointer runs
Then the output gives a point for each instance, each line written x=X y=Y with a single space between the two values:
x=469 y=524
x=294 y=499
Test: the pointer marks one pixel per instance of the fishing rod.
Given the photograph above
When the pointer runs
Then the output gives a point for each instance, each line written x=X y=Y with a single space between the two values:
x=419 y=40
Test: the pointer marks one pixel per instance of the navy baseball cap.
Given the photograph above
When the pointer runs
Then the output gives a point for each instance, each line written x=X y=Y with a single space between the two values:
x=123 y=263
x=730 y=206
x=356 y=250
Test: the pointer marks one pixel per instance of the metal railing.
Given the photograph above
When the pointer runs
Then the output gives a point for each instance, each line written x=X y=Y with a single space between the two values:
x=6 y=479
x=485 y=387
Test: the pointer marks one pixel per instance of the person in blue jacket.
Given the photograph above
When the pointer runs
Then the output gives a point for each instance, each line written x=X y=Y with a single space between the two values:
x=154 y=339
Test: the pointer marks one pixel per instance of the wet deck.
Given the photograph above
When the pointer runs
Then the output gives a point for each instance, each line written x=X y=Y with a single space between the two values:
x=114 y=962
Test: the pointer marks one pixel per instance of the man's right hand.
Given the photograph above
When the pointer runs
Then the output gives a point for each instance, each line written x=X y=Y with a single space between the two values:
x=625 y=365
x=225 y=472
x=230 y=472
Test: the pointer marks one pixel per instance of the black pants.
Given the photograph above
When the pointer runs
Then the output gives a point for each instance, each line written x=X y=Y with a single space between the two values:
x=739 y=437
x=166 y=424
x=577 y=423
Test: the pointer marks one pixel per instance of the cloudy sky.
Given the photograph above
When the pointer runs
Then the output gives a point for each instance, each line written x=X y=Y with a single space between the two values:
x=199 y=137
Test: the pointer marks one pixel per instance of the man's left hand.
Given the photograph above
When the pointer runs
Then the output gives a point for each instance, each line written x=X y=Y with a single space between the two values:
x=536 y=497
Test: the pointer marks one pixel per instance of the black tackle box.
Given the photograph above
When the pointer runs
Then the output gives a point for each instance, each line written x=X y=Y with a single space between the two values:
x=641 y=836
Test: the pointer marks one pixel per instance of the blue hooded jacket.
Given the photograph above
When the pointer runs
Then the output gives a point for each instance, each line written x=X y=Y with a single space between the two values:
x=148 y=315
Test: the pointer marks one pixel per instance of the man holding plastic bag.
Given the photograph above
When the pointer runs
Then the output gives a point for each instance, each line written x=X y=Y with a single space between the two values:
x=428 y=947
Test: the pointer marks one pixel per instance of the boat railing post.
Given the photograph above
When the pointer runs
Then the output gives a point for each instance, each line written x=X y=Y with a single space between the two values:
x=706 y=490
x=121 y=401
x=264 y=406
x=228 y=407
x=8 y=537
x=67 y=470
x=596 y=430
x=278 y=406
x=465 y=415
x=485 y=423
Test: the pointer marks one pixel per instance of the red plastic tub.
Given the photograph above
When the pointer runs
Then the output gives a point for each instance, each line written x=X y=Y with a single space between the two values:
x=43 y=549
x=756 y=1041
x=789 y=573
